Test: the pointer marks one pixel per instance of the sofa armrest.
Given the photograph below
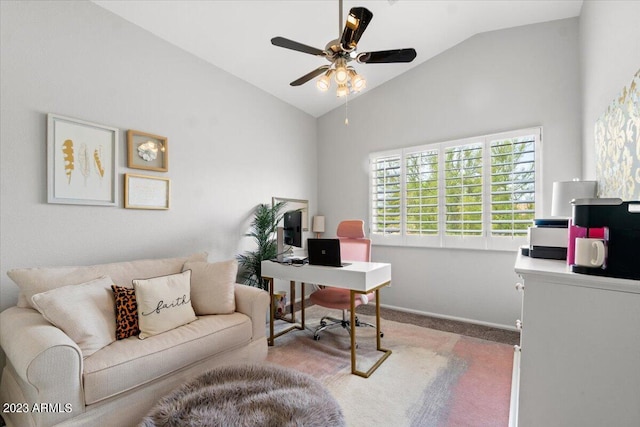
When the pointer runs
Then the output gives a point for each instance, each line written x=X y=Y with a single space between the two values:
x=46 y=361
x=253 y=302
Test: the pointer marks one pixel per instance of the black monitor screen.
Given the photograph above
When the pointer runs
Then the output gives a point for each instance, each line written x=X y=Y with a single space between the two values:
x=293 y=228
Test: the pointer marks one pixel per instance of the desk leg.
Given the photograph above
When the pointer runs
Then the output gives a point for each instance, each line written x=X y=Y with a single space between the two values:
x=302 y=304
x=292 y=292
x=352 y=312
x=272 y=335
x=271 y=307
x=386 y=352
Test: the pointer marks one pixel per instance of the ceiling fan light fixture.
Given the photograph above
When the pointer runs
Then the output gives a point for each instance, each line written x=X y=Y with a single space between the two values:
x=341 y=74
x=358 y=82
x=324 y=83
x=343 y=90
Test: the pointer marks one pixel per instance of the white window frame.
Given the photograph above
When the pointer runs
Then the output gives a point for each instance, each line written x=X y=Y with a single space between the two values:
x=486 y=241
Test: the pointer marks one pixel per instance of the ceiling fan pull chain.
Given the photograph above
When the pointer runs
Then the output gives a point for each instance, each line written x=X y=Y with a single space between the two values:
x=346 y=110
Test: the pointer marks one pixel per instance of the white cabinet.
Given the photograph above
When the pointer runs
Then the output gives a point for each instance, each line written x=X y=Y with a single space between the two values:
x=579 y=348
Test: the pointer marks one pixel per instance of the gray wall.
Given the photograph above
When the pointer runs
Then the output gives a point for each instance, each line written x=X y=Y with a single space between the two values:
x=502 y=80
x=227 y=139
x=232 y=145
x=610 y=56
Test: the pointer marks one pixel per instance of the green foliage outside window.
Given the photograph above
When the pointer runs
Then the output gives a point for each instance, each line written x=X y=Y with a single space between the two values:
x=511 y=188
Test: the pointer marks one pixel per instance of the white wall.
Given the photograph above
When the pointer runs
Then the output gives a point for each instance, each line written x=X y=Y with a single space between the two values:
x=502 y=80
x=610 y=56
x=232 y=145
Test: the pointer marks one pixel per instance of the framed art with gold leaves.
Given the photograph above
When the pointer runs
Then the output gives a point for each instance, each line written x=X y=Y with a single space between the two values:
x=147 y=151
x=146 y=192
x=81 y=162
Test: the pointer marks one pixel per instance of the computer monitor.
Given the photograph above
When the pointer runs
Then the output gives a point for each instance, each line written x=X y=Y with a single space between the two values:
x=292 y=228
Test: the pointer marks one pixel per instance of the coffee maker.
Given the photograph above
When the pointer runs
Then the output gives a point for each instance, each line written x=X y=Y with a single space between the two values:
x=617 y=223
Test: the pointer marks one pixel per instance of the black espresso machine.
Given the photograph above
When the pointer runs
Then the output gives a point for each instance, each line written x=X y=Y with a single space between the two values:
x=621 y=223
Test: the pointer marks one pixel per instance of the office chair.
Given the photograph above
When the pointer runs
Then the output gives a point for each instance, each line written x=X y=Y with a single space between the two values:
x=353 y=247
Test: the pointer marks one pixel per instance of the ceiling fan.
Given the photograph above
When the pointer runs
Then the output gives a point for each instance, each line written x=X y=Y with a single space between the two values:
x=341 y=51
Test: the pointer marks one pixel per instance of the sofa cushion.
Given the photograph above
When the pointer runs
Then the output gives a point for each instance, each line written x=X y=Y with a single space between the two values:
x=33 y=281
x=212 y=286
x=126 y=312
x=84 y=312
x=129 y=363
x=164 y=303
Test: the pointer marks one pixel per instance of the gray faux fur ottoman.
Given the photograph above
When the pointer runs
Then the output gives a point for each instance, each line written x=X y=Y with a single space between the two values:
x=248 y=395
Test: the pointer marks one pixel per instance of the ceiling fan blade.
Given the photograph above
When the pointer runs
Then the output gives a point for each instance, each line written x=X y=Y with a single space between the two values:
x=387 y=56
x=315 y=73
x=357 y=21
x=290 y=44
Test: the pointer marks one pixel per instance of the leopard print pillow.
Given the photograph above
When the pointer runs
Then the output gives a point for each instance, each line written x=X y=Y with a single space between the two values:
x=126 y=312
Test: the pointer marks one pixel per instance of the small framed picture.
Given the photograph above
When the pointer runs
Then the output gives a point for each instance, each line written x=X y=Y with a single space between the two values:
x=147 y=151
x=81 y=162
x=146 y=192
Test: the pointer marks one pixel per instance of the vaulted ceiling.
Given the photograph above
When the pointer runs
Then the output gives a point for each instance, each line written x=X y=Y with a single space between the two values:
x=235 y=35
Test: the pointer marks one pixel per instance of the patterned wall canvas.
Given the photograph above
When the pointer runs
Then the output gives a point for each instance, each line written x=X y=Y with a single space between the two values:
x=617 y=137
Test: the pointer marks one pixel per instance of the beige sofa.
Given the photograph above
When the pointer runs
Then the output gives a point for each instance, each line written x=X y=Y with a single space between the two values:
x=48 y=380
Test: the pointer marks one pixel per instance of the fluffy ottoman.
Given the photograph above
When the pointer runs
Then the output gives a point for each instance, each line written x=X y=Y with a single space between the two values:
x=249 y=395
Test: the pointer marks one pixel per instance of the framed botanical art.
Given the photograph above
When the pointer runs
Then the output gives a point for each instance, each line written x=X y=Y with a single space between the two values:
x=146 y=192
x=147 y=151
x=81 y=162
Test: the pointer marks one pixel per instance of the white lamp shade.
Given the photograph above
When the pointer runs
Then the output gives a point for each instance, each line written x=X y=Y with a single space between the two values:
x=318 y=224
x=565 y=191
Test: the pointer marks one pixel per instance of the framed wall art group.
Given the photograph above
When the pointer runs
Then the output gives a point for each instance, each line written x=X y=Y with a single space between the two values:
x=82 y=165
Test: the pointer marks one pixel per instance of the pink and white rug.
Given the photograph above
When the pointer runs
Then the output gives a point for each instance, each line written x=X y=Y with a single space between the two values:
x=433 y=378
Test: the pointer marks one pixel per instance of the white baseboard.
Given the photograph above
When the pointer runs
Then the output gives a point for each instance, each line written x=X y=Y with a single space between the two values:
x=447 y=317
x=443 y=316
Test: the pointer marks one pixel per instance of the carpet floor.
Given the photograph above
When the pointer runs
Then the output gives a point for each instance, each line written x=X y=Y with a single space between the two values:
x=433 y=378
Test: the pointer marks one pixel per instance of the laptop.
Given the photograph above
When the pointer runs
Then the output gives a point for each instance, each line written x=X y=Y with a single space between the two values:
x=324 y=252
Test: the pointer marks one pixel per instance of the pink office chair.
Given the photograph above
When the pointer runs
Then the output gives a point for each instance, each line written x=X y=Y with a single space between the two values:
x=353 y=247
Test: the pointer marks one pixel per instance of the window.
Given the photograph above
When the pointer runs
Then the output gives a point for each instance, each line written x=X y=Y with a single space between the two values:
x=470 y=193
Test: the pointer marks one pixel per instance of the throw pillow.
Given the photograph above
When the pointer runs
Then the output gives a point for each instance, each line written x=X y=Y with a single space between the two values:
x=84 y=312
x=126 y=312
x=164 y=303
x=213 y=286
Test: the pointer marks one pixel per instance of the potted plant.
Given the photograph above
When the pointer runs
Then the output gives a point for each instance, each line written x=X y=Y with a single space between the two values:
x=263 y=228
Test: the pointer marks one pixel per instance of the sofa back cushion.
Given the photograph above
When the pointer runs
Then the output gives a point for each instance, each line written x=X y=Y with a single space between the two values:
x=213 y=286
x=33 y=281
x=85 y=312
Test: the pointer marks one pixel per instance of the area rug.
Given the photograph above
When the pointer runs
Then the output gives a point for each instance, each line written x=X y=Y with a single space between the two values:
x=248 y=396
x=433 y=378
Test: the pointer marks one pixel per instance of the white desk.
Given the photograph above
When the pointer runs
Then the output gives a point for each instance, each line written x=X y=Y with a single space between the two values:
x=359 y=277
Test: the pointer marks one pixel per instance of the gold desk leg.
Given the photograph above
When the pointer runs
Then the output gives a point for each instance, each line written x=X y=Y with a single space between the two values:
x=292 y=293
x=352 y=306
x=386 y=352
x=302 y=304
x=271 y=307
x=295 y=325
